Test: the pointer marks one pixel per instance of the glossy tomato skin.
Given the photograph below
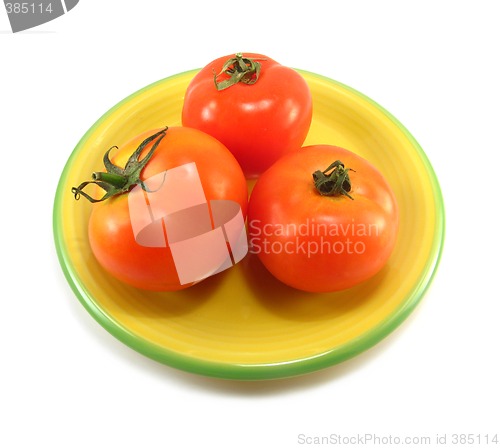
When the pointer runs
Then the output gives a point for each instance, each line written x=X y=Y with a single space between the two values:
x=321 y=243
x=258 y=123
x=111 y=234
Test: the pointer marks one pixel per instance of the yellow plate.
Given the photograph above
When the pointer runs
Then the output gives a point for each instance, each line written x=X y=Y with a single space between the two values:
x=242 y=323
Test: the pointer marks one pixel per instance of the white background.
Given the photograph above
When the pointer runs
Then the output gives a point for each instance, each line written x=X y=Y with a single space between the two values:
x=66 y=382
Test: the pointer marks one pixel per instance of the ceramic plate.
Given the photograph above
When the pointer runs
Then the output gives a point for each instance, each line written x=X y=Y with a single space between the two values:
x=242 y=323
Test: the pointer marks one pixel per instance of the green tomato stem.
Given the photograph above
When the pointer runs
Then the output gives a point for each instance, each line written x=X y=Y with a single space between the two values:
x=239 y=69
x=335 y=183
x=117 y=180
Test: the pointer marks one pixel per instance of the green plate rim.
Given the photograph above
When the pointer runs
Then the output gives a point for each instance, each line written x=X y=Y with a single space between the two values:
x=264 y=371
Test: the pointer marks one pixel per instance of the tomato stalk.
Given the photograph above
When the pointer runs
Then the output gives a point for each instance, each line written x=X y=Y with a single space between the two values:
x=117 y=180
x=335 y=183
x=239 y=69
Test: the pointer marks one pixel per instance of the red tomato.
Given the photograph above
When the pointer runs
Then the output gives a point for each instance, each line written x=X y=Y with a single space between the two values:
x=318 y=242
x=259 y=118
x=111 y=234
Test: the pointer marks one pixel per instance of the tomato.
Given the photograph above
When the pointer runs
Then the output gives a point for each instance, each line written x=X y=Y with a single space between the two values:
x=112 y=235
x=260 y=111
x=322 y=219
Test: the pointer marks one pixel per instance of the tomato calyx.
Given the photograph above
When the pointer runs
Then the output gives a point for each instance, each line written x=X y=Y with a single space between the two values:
x=335 y=183
x=117 y=180
x=239 y=69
